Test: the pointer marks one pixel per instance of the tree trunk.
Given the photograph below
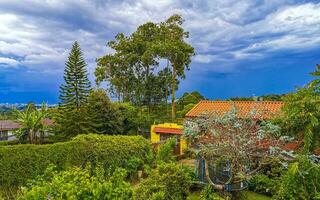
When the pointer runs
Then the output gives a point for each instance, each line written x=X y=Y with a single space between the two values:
x=173 y=88
x=167 y=91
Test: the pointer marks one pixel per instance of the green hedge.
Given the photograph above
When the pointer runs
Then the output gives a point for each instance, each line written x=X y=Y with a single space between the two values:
x=18 y=163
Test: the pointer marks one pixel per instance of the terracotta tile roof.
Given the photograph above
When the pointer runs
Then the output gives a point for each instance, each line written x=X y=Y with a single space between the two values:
x=175 y=131
x=292 y=146
x=7 y=125
x=264 y=109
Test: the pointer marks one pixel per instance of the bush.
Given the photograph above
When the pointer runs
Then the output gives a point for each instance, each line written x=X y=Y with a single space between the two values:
x=302 y=181
x=165 y=151
x=209 y=193
x=263 y=184
x=268 y=180
x=168 y=181
x=78 y=183
x=21 y=162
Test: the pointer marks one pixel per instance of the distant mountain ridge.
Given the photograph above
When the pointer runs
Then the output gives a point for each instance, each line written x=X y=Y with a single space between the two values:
x=20 y=106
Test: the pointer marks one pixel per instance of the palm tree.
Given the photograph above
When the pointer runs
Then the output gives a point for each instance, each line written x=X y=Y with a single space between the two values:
x=32 y=123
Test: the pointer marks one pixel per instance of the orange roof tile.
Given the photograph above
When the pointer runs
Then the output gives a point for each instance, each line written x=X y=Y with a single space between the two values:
x=175 y=131
x=264 y=109
x=292 y=146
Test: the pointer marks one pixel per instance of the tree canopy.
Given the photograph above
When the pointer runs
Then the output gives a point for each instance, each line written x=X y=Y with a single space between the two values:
x=134 y=72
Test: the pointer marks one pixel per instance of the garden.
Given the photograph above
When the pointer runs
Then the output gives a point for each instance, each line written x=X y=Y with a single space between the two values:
x=97 y=148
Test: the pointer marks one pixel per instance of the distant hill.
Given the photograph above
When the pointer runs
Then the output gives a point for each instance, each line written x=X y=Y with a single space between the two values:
x=6 y=107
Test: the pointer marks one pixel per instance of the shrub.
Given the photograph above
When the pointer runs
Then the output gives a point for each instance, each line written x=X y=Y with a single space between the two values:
x=168 y=181
x=209 y=193
x=268 y=180
x=263 y=184
x=165 y=151
x=21 y=162
x=302 y=181
x=77 y=183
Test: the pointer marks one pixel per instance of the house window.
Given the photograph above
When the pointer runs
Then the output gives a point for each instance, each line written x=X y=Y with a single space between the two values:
x=3 y=135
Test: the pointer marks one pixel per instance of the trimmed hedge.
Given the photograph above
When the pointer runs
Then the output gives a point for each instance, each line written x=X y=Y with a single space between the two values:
x=18 y=163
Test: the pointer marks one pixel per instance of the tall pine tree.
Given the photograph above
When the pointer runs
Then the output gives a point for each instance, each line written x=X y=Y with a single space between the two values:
x=76 y=89
x=74 y=92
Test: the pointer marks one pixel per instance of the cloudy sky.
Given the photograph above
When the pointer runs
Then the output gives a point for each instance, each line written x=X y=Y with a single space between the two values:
x=244 y=47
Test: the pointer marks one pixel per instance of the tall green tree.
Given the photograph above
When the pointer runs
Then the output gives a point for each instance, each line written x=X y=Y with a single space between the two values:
x=75 y=90
x=71 y=119
x=103 y=116
x=131 y=70
x=173 y=47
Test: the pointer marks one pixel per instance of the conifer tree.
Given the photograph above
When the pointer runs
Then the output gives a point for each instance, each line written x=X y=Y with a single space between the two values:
x=72 y=119
x=75 y=90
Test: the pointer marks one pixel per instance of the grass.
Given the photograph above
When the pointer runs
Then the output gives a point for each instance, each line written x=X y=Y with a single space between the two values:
x=256 y=196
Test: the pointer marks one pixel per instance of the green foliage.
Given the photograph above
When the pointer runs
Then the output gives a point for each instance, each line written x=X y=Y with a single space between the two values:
x=21 y=162
x=268 y=97
x=71 y=119
x=32 y=124
x=135 y=120
x=182 y=113
x=167 y=181
x=131 y=69
x=165 y=151
x=302 y=181
x=269 y=178
x=187 y=102
x=208 y=193
x=70 y=122
x=302 y=114
x=75 y=90
x=189 y=98
x=263 y=184
x=103 y=116
x=77 y=183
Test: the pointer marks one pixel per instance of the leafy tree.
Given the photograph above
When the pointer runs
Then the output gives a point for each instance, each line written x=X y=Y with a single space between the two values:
x=187 y=102
x=134 y=120
x=75 y=90
x=185 y=110
x=172 y=46
x=32 y=123
x=71 y=119
x=103 y=116
x=301 y=181
x=130 y=71
x=302 y=113
x=226 y=141
x=316 y=83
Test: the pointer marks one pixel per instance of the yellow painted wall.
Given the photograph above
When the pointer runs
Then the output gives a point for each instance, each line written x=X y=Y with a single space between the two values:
x=183 y=145
x=155 y=137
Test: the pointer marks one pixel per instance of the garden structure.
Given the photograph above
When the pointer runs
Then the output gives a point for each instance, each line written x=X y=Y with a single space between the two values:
x=162 y=132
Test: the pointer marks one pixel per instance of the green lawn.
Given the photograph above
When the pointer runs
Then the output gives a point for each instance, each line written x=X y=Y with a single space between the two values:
x=256 y=196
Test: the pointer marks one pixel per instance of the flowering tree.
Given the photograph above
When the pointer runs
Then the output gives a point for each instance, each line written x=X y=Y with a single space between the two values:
x=240 y=141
